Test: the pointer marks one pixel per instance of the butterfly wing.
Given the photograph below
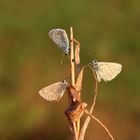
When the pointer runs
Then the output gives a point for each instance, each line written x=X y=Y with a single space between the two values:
x=108 y=70
x=98 y=75
x=60 y=38
x=53 y=92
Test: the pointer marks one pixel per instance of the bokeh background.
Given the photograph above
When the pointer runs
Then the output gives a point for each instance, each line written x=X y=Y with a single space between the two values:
x=107 y=30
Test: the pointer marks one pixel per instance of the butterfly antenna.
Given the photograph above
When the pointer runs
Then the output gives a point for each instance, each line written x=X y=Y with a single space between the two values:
x=62 y=58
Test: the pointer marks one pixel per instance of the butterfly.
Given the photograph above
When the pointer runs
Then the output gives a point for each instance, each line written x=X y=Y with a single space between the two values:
x=55 y=91
x=106 y=70
x=60 y=38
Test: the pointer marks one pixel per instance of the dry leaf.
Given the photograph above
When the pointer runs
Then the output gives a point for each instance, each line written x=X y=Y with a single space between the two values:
x=77 y=53
x=74 y=93
x=75 y=111
x=78 y=85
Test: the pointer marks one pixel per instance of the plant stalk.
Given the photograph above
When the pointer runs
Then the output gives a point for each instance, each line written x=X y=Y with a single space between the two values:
x=72 y=65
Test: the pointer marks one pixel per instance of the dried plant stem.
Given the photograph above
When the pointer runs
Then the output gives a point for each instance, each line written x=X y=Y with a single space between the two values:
x=95 y=92
x=87 y=112
x=83 y=130
x=72 y=58
x=77 y=62
x=72 y=74
x=86 y=123
x=78 y=127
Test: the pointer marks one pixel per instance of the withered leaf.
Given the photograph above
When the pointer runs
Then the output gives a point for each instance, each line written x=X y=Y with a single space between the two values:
x=78 y=85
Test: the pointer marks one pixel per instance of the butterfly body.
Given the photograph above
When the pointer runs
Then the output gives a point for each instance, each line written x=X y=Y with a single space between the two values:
x=60 y=38
x=106 y=70
x=54 y=92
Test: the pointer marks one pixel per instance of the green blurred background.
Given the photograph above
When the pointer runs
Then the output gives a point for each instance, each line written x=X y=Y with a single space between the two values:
x=108 y=31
